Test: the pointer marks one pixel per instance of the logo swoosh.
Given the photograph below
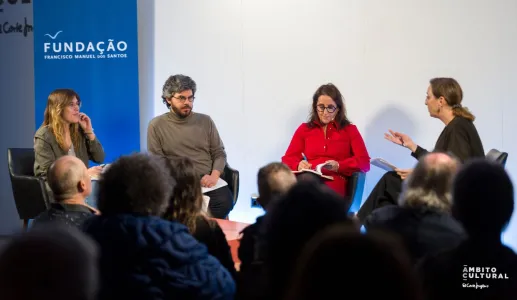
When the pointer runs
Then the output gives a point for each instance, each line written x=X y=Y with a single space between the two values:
x=55 y=35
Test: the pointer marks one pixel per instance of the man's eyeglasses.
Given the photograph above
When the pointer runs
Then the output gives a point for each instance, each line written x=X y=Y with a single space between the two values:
x=182 y=99
x=330 y=109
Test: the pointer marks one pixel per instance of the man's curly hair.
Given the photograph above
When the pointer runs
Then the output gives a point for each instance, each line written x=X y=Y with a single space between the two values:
x=177 y=84
x=135 y=184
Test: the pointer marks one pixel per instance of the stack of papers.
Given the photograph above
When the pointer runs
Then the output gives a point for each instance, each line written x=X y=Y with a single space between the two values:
x=383 y=164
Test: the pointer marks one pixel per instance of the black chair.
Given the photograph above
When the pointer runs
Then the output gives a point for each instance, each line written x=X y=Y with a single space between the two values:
x=29 y=192
x=355 y=188
x=497 y=156
x=231 y=176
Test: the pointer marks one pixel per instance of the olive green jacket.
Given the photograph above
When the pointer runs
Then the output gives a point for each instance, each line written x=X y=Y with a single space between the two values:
x=47 y=150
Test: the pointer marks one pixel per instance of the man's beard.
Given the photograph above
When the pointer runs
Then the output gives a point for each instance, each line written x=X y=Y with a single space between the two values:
x=181 y=114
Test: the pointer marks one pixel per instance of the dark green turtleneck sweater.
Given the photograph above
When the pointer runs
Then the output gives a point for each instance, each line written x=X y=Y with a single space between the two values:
x=195 y=137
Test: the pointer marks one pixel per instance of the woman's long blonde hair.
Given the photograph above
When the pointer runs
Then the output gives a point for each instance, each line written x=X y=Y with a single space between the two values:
x=57 y=102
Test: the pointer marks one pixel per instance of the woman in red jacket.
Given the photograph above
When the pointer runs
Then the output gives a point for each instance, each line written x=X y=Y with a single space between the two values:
x=328 y=137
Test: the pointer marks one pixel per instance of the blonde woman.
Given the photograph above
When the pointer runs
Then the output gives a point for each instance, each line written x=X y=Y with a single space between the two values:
x=444 y=101
x=65 y=131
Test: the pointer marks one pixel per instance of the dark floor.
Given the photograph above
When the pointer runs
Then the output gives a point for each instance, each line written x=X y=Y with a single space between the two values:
x=3 y=241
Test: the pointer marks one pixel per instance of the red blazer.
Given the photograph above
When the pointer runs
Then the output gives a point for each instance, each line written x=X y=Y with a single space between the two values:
x=346 y=146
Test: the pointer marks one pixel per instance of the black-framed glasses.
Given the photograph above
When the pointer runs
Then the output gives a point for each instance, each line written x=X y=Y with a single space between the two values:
x=330 y=109
x=182 y=99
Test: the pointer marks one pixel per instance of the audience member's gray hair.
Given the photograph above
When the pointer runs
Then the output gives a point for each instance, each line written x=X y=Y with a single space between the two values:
x=430 y=183
x=274 y=179
x=63 y=177
x=177 y=84
x=51 y=262
x=138 y=183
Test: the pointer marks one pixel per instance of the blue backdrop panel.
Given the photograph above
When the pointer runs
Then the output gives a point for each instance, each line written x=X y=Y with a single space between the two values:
x=91 y=47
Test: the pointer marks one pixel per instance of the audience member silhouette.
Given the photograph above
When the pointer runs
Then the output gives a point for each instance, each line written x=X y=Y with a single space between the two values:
x=70 y=183
x=185 y=206
x=306 y=209
x=142 y=255
x=340 y=258
x=423 y=217
x=273 y=180
x=483 y=202
x=52 y=261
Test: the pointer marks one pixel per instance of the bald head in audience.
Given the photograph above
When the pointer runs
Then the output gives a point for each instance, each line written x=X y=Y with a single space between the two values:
x=69 y=181
x=273 y=180
x=430 y=183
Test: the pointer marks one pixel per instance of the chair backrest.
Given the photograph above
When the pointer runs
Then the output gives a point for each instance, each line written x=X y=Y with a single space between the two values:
x=355 y=190
x=497 y=156
x=29 y=192
x=21 y=161
x=231 y=176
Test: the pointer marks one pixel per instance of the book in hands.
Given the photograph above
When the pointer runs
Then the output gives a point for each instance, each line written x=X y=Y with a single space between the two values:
x=321 y=166
x=317 y=171
x=383 y=164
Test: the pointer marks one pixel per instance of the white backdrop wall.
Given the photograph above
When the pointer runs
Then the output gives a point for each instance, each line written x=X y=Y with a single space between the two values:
x=257 y=64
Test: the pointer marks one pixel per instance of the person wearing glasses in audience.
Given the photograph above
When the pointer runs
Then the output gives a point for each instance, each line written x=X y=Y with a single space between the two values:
x=65 y=131
x=183 y=133
x=328 y=137
x=459 y=137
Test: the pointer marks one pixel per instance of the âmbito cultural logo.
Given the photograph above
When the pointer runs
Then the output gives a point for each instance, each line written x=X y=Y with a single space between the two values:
x=57 y=48
x=480 y=277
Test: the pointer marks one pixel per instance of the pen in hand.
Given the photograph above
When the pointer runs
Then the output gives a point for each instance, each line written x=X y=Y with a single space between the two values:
x=304 y=164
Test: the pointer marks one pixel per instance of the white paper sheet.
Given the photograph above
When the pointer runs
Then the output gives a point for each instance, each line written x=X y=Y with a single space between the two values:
x=383 y=164
x=220 y=183
x=321 y=166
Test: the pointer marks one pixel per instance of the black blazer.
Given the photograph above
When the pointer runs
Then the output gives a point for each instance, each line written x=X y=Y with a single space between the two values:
x=460 y=138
